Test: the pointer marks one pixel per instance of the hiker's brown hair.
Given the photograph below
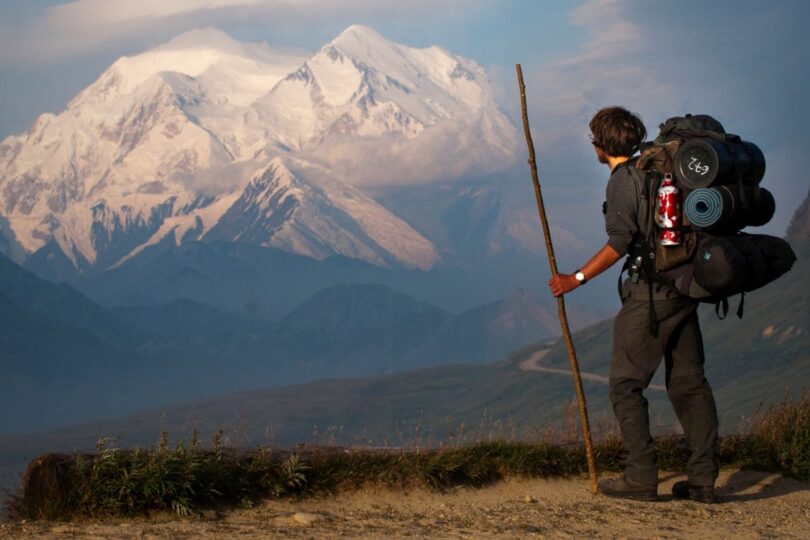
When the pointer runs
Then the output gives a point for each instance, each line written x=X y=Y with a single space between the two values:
x=617 y=131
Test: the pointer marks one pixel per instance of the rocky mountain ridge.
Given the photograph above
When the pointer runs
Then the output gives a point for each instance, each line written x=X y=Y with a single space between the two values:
x=798 y=233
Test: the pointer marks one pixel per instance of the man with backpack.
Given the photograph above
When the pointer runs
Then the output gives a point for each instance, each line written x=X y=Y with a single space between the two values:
x=655 y=321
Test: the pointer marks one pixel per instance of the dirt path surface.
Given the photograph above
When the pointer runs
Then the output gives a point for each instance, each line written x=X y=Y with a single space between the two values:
x=533 y=364
x=752 y=505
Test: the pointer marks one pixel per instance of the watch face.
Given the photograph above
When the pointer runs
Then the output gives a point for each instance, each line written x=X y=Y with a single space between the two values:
x=580 y=276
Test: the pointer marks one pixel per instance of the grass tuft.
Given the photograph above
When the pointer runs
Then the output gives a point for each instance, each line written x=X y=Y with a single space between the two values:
x=776 y=440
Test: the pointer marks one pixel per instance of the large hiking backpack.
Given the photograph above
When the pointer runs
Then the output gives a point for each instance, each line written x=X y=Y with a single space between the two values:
x=719 y=176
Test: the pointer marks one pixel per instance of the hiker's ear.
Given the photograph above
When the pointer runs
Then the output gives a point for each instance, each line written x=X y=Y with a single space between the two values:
x=601 y=155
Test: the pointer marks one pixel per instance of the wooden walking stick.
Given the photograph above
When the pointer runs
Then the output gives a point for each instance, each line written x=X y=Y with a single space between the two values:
x=569 y=342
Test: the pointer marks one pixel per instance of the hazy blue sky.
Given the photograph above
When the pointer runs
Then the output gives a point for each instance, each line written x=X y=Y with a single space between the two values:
x=745 y=62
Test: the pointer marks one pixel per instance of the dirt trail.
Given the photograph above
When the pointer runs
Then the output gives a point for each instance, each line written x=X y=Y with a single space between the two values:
x=533 y=364
x=753 y=505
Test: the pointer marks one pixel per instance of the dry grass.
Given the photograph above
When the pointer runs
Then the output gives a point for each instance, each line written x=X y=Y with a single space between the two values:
x=187 y=478
x=776 y=440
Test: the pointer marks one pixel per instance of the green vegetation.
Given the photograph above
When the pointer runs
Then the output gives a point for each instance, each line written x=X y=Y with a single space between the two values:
x=186 y=479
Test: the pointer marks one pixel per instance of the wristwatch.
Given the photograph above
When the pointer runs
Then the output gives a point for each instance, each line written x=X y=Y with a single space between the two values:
x=580 y=277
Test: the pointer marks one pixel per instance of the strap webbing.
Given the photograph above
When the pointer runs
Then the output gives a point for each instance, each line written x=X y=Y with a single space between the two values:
x=721 y=306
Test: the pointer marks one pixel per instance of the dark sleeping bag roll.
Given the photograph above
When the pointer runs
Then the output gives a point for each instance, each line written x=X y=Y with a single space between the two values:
x=709 y=161
x=728 y=265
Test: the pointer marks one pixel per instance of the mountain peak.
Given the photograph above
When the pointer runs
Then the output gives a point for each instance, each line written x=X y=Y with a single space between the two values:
x=521 y=296
x=358 y=32
x=798 y=232
x=362 y=42
x=354 y=311
x=203 y=38
x=229 y=67
x=278 y=170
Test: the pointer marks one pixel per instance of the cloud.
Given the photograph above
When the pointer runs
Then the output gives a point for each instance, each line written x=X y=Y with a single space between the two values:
x=93 y=14
x=449 y=150
x=746 y=66
x=100 y=13
x=613 y=67
x=681 y=57
x=80 y=27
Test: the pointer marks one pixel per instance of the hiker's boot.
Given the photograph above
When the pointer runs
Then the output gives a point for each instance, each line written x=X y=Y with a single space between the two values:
x=624 y=488
x=684 y=490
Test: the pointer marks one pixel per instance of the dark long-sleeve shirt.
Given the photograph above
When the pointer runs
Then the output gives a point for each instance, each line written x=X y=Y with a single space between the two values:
x=621 y=209
x=626 y=220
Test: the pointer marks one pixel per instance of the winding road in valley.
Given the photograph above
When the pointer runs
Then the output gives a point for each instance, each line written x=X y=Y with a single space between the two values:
x=533 y=364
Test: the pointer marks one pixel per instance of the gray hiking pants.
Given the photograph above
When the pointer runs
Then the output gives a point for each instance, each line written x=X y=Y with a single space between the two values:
x=636 y=356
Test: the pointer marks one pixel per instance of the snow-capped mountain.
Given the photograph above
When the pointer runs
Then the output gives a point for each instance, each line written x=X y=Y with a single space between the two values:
x=362 y=84
x=280 y=208
x=205 y=137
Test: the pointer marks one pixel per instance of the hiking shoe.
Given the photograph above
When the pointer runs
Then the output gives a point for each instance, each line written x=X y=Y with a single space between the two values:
x=684 y=490
x=623 y=488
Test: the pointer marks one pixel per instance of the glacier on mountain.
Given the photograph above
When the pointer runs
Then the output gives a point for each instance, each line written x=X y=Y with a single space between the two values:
x=208 y=138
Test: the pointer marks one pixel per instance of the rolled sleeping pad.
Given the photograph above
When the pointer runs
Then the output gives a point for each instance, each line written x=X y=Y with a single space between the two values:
x=722 y=207
x=706 y=208
x=704 y=162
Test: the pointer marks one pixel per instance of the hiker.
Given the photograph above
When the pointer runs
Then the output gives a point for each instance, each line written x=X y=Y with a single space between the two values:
x=616 y=135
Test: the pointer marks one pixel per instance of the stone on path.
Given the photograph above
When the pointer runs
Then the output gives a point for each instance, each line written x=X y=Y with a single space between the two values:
x=306 y=518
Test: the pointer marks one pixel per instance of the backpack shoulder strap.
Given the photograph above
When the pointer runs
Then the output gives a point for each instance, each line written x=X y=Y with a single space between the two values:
x=646 y=182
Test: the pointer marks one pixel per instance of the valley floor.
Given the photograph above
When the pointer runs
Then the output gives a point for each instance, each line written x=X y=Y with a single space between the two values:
x=753 y=505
